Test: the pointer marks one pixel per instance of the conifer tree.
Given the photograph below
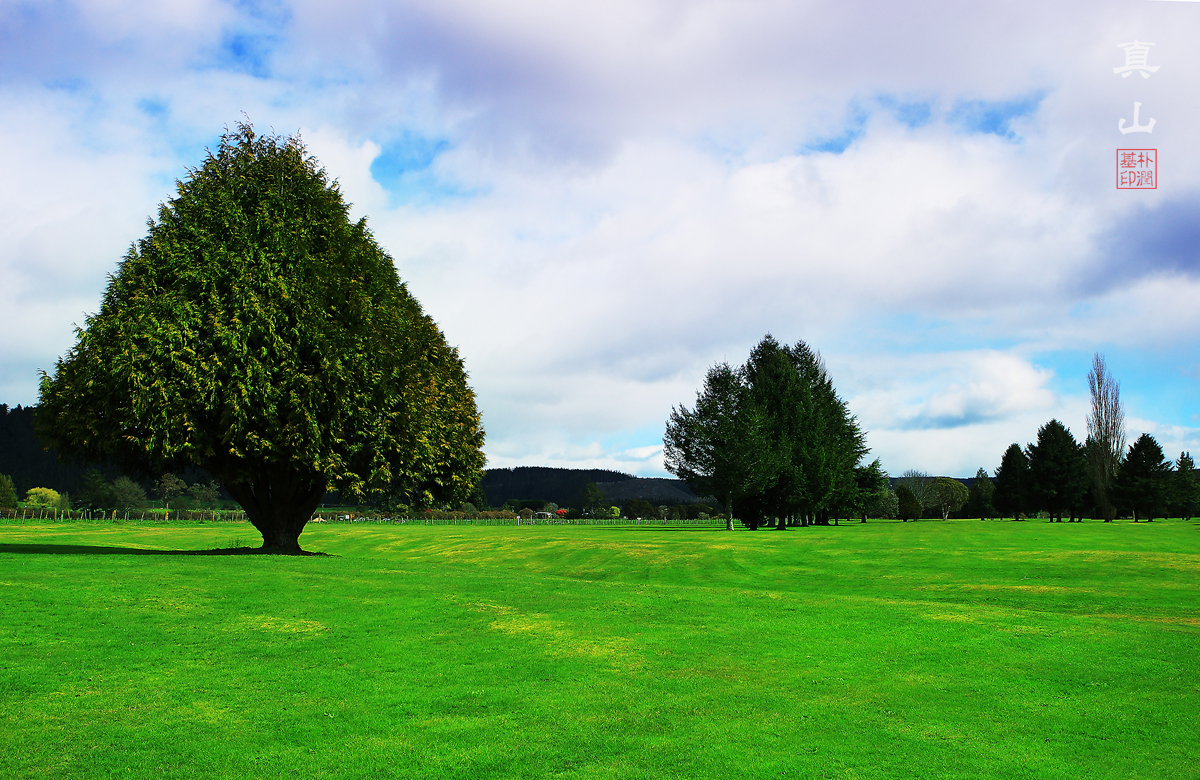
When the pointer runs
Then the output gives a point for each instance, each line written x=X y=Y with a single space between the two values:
x=1142 y=480
x=1012 y=482
x=979 y=502
x=1185 y=488
x=258 y=334
x=1058 y=472
x=719 y=448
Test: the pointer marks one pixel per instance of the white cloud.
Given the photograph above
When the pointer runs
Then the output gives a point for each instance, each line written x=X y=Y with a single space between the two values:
x=952 y=412
x=1174 y=439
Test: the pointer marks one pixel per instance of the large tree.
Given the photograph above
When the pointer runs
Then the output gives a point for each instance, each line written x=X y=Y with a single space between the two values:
x=259 y=334
x=1143 y=479
x=719 y=448
x=1106 y=435
x=1012 y=482
x=948 y=495
x=1058 y=472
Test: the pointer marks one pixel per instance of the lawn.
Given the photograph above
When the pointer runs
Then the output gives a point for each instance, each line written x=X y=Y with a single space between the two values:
x=962 y=649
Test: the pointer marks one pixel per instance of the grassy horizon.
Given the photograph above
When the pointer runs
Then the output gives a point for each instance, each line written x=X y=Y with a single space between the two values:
x=878 y=650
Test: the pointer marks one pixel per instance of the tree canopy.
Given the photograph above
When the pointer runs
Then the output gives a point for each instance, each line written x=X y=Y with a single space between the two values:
x=949 y=495
x=260 y=335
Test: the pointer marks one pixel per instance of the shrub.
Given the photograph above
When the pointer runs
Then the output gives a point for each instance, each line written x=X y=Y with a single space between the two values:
x=127 y=494
x=42 y=497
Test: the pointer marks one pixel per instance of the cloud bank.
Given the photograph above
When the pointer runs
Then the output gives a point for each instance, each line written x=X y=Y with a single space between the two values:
x=599 y=203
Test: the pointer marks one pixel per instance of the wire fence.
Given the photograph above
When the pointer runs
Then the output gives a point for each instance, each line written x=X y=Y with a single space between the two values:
x=43 y=515
x=148 y=516
x=422 y=519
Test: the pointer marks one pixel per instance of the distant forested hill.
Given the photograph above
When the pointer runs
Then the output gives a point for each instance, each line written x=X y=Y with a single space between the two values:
x=656 y=490
x=562 y=486
x=23 y=459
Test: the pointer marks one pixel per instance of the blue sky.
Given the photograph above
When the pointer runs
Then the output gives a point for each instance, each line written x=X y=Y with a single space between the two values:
x=598 y=203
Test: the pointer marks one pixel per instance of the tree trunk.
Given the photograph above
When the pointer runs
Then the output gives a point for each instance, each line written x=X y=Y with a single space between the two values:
x=279 y=503
x=729 y=512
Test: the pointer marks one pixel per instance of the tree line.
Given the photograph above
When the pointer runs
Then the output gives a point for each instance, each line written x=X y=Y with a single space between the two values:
x=773 y=442
x=99 y=494
x=1100 y=477
x=1055 y=476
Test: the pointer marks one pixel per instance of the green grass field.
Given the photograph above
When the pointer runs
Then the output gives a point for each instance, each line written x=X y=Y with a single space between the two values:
x=887 y=650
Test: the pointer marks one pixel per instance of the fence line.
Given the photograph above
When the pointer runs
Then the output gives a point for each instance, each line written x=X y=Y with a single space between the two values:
x=52 y=515
x=517 y=521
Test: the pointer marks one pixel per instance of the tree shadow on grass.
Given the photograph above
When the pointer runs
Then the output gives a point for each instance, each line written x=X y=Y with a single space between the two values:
x=88 y=549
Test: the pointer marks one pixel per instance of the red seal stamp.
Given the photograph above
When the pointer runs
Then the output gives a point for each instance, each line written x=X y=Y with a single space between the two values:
x=1137 y=169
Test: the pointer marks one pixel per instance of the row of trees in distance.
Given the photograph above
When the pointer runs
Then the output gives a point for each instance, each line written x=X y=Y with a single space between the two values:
x=1100 y=477
x=100 y=495
x=1054 y=476
x=773 y=442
